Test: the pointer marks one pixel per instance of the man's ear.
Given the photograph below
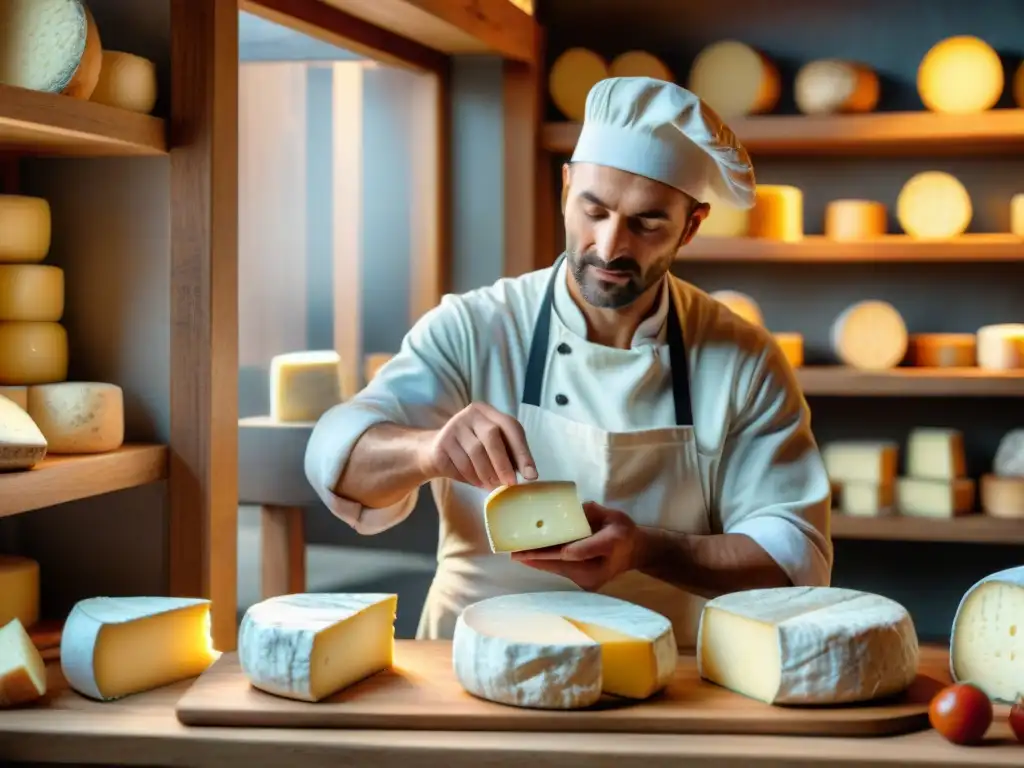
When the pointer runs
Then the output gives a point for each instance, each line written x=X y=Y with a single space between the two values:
x=699 y=212
x=566 y=179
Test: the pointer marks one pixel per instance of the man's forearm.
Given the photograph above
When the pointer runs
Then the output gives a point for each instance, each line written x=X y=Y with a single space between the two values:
x=708 y=565
x=385 y=466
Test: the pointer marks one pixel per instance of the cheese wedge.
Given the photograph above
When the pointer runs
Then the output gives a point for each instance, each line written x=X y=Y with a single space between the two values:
x=22 y=445
x=918 y=497
x=861 y=461
x=534 y=515
x=936 y=454
x=303 y=385
x=22 y=669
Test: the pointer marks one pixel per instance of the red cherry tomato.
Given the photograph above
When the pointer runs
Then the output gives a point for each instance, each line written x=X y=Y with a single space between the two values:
x=1017 y=719
x=962 y=713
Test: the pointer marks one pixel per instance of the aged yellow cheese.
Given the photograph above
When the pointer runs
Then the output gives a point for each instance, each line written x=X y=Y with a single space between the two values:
x=1001 y=346
x=936 y=454
x=867 y=499
x=1018 y=86
x=961 y=74
x=921 y=497
x=828 y=86
x=127 y=82
x=17 y=395
x=778 y=213
x=851 y=220
x=1017 y=215
x=78 y=417
x=934 y=205
x=33 y=353
x=22 y=669
x=25 y=229
x=572 y=76
x=861 y=461
x=740 y=304
x=19 y=590
x=792 y=346
x=32 y=292
x=639 y=64
x=734 y=79
x=303 y=385
x=942 y=350
x=22 y=445
x=725 y=221
x=1003 y=496
x=870 y=335
x=534 y=515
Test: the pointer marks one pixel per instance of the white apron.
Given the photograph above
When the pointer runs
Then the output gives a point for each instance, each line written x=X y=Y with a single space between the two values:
x=652 y=475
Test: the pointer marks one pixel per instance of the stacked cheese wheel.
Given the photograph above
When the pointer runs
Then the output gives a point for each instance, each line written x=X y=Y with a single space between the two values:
x=1002 y=490
x=577 y=70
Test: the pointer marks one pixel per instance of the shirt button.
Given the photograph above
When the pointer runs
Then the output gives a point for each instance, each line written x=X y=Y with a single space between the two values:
x=564 y=349
x=561 y=399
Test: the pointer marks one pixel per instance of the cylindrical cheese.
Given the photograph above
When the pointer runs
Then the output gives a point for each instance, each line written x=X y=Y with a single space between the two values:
x=828 y=86
x=639 y=64
x=1018 y=86
x=127 y=82
x=572 y=76
x=735 y=79
x=741 y=304
x=1009 y=458
x=78 y=417
x=374 y=363
x=24 y=229
x=934 y=206
x=850 y=220
x=31 y=292
x=1001 y=346
x=1017 y=215
x=19 y=590
x=1003 y=496
x=942 y=350
x=778 y=213
x=725 y=221
x=792 y=346
x=870 y=335
x=33 y=353
x=960 y=74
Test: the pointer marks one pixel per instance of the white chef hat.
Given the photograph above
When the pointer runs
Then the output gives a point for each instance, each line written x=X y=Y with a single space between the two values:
x=664 y=132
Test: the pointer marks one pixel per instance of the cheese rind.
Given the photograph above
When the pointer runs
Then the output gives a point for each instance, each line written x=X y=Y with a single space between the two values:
x=921 y=497
x=22 y=445
x=113 y=647
x=807 y=645
x=986 y=645
x=33 y=353
x=936 y=454
x=741 y=305
x=942 y=350
x=1003 y=497
x=572 y=75
x=25 y=229
x=778 y=213
x=19 y=590
x=960 y=75
x=303 y=385
x=861 y=461
x=534 y=515
x=32 y=292
x=829 y=86
x=126 y=81
x=735 y=79
x=78 y=417
x=1001 y=346
x=853 y=220
x=22 y=669
x=870 y=335
x=934 y=205
x=1009 y=458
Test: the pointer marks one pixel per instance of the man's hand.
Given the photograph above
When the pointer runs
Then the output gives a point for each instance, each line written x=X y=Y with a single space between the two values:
x=614 y=548
x=480 y=446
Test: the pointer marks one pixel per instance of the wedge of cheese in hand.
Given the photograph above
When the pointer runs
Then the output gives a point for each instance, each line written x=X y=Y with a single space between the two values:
x=310 y=646
x=534 y=515
x=117 y=646
x=22 y=669
x=807 y=645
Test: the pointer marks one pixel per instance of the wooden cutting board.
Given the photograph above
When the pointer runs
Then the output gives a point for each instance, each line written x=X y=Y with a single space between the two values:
x=421 y=693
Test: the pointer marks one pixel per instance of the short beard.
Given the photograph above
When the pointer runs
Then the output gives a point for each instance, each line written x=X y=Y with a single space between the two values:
x=606 y=295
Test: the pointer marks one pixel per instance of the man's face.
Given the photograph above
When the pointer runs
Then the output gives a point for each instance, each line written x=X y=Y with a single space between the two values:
x=622 y=231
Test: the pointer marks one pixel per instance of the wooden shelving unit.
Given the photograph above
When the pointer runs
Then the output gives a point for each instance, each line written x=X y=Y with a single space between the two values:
x=840 y=381
x=973 y=529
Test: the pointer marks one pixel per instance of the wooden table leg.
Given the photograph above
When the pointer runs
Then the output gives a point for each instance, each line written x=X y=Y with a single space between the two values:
x=284 y=551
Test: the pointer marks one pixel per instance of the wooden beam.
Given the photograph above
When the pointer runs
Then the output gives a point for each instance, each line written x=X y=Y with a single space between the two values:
x=204 y=308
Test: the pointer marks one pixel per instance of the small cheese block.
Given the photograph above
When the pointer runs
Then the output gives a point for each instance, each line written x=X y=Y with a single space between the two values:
x=725 y=221
x=960 y=75
x=572 y=76
x=942 y=350
x=986 y=645
x=1017 y=209
x=78 y=417
x=561 y=650
x=50 y=45
x=807 y=645
x=118 y=646
x=533 y=515
x=936 y=454
x=1009 y=458
x=1002 y=496
x=861 y=461
x=917 y=497
x=830 y=86
x=1001 y=346
x=867 y=499
x=303 y=385
x=19 y=590
x=310 y=646
x=740 y=304
x=778 y=213
x=33 y=353
x=17 y=395
x=32 y=292
x=870 y=335
x=792 y=346
x=22 y=445
x=22 y=669
x=734 y=79
x=853 y=220
x=25 y=229
x=127 y=82
x=639 y=64
x=934 y=205
x=373 y=363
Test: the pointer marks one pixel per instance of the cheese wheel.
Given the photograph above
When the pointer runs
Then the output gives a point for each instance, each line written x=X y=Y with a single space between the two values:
x=934 y=205
x=852 y=220
x=792 y=346
x=1001 y=346
x=19 y=590
x=78 y=417
x=735 y=79
x=33 y=353
x=17 y=395
x=31 y=292
x=741 y=304
x=572 y=76
x=127 y=82
x=778 y=213
x=1002 y=496
x=829 y=86
x=24 y=229
x=725 y=221
x=374 y=363
x=22 y=669
x=639 y=64
x=1018 y=86
x=50 y=45
x=1017 y=215
x=1009 y=458
x=942 y=350
x=870 y=335
x=960 y=75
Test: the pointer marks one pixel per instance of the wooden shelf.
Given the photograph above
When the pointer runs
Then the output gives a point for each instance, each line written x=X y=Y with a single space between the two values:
x=841 y=381
x=974 y=529
x=891 y=248
x=919 y=133
x=61 y=479
x=47 y=124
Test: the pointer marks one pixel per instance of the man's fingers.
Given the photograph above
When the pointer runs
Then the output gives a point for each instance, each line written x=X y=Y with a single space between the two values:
x=515 y=439
x=490 y=436
x=463 y=464
x=596 y=514
x=542 y=553
x=587 y=575
x=599 y=545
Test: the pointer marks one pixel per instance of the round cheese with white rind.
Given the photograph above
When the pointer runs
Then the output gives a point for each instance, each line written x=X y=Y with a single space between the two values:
x=734 y=79
x=934 y=205
x=1000 y=347
x=31 y=292
x=1009 y=458
x=25 y=229
x=960 y=75
x=1002 y=496
x=78 y=417
x=572 y=76
x=870 y=335
x=829 y=86
x=126 y=82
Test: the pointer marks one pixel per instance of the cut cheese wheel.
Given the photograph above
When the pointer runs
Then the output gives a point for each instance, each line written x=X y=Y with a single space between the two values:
x=829 y=86
x=740 y=304
x=870 y=335
x=861 y=461
x=33 y=353
x=1002 y=497
x=942 y=350
x=961 y=75
x=807 y=645
x=118 y=646
x=17 y=395
x=373 y=363
x=534 y=515
x=303 y=385
x=1009 y=458
x=792 y=346
x=25 y=228
x=936 y=454
x=78 y=417
x=1017 y=215
x=639 y=64
x=867 y=499
x=986 y=645
x=572 y=76
x=127 y=82
x=921 y=497
x=22 y=669
x=50 y=45
x=778 y=213
x=22 y=445
x=31 y=292
x=725 y=221
x=19 y=590
x=852 y=220
x=307 y=647
x=1001 y=346
x=934 y=205
x=561 y=650
x=734 y=79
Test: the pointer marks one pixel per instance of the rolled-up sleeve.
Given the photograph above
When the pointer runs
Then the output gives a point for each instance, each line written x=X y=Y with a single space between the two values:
x=773 y=483
x=422 y=386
